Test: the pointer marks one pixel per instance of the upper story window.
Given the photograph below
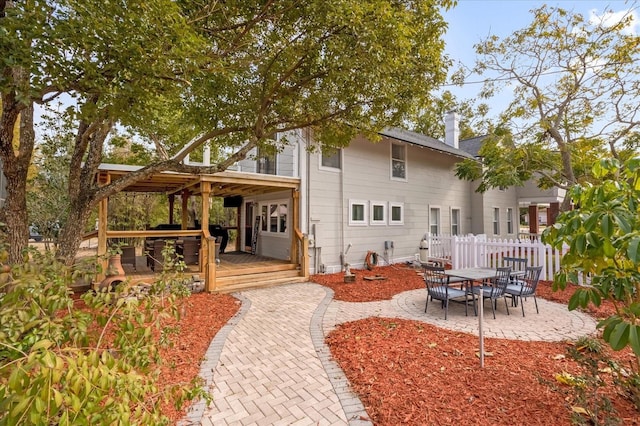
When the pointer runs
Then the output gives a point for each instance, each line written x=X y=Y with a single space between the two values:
x=331 y=160
x=266 y=162
x=398 y=161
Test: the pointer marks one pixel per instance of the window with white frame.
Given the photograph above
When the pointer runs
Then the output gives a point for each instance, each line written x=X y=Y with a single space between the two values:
x=357 y=212
x=455 y=221
x=275 y=215
x=509 y=221
x=378 y=214
x=396 y=213
x=434 y=220
x=398 y=161
x=266 y=161
x=496 y=221
x=331 y=160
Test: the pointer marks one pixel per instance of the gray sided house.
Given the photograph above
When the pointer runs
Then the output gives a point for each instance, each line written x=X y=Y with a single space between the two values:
x=380 y=197
x=540 y=207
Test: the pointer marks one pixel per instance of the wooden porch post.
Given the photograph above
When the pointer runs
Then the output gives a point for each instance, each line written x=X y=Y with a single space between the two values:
x=552 y=213
x=103 y=215
x=533 y=219
x=208 y=247
x=172 y=199
x=184 y=220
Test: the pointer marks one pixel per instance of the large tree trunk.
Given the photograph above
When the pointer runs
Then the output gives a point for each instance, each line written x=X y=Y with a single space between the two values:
x=15 y=168
x=70 y=236
x=82 y=185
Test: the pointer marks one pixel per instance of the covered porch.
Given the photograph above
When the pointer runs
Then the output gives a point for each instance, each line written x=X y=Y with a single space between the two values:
x=240 y=268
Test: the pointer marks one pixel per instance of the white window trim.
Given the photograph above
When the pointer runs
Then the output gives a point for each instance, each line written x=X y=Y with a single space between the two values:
x=276 y=234
x=406 y=163
x=510 y=209
x=363 y=222
x=331 y=169
x=451 y=209
x=373 y=204
x=493 y=220
x=439 y=224
x=391 y=206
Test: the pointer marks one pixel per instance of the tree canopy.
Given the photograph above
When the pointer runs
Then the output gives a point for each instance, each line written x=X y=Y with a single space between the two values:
x=183 y=73
x=574 y=86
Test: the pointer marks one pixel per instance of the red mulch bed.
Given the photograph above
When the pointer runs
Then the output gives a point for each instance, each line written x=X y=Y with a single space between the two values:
x=205 y=315
x=407 y=372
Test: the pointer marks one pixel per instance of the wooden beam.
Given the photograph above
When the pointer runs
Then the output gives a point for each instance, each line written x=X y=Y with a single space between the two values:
x=103 y=216
x=172 y=200
x=184 y=219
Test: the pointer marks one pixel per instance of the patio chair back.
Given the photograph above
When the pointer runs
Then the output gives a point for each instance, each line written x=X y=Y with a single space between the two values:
x=438 y=288
x=525 y=287
x=530 y=281
x=518 y=266
x=500 y=282
x=496 y=289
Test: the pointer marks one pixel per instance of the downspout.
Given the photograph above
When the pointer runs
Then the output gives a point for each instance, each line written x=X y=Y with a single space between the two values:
x=342 y=228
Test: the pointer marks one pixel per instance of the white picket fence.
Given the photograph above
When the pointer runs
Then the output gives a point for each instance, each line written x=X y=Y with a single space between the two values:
x=473 y=251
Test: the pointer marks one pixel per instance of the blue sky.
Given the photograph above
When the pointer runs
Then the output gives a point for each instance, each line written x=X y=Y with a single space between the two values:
x=474 y=20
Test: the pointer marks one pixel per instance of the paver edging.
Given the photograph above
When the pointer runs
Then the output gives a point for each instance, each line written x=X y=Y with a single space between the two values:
x=211 y=358
x=351 y=404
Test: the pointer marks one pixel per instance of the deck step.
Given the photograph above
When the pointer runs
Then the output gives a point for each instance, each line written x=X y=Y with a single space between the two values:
x=257 y=280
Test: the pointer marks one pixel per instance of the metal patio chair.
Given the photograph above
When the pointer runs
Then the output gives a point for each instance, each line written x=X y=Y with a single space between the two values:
x=525 y=287
x=438 y=287
x=518 y=266
x=494 y=289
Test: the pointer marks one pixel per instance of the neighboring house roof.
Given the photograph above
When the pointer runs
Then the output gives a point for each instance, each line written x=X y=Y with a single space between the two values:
x=424 y=141
x=472 y=145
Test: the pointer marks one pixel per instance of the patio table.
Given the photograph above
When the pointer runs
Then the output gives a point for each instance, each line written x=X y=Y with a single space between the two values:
x=472 y=274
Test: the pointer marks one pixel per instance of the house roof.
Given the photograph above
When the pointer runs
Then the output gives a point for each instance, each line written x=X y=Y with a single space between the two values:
x=423 y=141
x=472 y=145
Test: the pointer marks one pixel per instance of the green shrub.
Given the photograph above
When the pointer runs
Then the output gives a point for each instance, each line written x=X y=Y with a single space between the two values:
x=64 y=363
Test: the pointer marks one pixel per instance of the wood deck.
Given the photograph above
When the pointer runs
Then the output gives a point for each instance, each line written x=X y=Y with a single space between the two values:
x=236 y=271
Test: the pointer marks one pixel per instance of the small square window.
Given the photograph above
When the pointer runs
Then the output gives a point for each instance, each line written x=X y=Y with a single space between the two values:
x=396 y=216
x=378 y=213
x=357 y=212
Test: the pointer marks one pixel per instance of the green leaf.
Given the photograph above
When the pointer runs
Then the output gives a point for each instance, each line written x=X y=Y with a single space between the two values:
x=633 y=250
x=42 y=344
x=608 y=248
x=619 y=336
x=634 y=339
x=607 y=226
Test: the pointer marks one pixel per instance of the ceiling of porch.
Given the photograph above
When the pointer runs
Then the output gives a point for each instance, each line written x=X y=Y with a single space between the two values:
x=223 y=184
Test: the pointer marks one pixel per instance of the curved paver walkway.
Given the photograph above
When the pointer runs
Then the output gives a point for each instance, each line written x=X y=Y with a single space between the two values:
x=269 y=365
